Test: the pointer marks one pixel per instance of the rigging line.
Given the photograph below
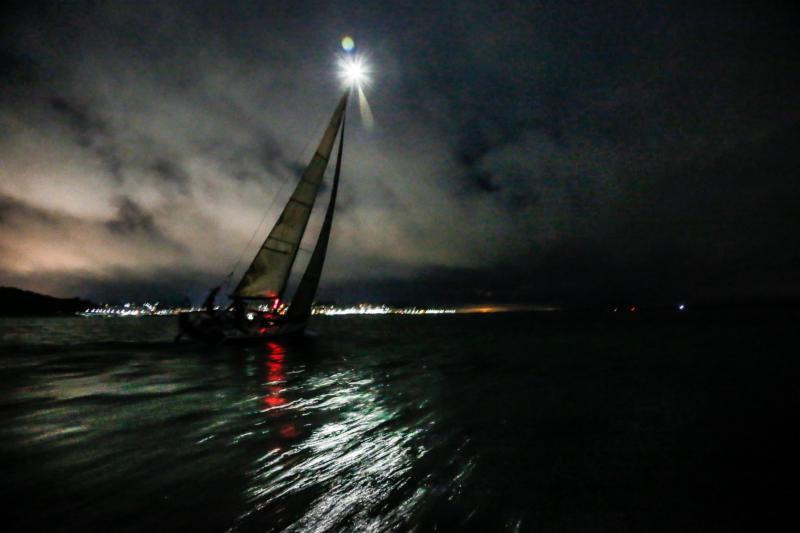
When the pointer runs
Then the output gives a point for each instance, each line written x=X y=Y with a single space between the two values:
x=229 y=277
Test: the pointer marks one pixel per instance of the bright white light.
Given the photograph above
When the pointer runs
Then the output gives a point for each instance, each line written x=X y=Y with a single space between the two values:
x=353 y=71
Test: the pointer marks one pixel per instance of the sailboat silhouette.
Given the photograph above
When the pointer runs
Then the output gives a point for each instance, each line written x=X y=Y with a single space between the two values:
x=258 y=297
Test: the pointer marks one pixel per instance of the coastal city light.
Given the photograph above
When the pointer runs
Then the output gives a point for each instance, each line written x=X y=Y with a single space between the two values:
x=130 y=309
x=367 y=309
x=153 y=309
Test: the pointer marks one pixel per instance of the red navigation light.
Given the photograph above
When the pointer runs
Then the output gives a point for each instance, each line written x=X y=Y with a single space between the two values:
x=262 y=331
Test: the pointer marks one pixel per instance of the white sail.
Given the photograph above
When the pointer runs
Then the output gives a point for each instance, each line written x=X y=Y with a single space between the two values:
x=268 y=273
x=307 y=290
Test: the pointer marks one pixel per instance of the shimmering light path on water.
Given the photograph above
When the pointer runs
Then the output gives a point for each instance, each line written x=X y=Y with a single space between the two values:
x=502 y=422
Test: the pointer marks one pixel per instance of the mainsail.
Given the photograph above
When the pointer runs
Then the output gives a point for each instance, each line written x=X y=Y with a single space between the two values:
x=304 y=296
x=268 y=273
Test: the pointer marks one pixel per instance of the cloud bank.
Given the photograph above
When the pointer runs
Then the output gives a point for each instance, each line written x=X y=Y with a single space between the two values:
x=541 y=153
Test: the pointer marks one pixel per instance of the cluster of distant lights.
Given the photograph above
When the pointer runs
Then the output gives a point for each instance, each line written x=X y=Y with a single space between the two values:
x=148 y=309
x=131 y=309
x=367 y=309
x=635 y=308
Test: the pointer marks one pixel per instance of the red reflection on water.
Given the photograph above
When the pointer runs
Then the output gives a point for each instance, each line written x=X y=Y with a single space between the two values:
x=275 y=372
x=275 y=376
x=289 y=431
x=275 y=352
x=274 y=401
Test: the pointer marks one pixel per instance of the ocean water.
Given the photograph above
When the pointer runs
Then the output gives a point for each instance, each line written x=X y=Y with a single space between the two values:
x=505 y=422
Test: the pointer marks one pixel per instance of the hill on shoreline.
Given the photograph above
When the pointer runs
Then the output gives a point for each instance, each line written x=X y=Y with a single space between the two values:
x=18 y=302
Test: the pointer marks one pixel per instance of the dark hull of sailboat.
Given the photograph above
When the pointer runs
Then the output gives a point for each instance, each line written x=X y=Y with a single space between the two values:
x=223 y=328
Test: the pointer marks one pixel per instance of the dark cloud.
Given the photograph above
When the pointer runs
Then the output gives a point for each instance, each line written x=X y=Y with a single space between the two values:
x=543 y=152
x=90 y=133
x=78 y=118
x=172 y=173
x=131 y=220
x=13 y=213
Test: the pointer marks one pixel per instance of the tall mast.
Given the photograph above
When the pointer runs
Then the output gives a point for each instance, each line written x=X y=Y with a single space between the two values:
x=269 y=271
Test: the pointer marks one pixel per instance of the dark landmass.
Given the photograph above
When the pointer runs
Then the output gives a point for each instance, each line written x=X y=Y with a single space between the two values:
x=17 y=302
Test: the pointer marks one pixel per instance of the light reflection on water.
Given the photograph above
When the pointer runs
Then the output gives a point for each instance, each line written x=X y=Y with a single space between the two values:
x=353 y=462
x=277 y=437
x=480 y=423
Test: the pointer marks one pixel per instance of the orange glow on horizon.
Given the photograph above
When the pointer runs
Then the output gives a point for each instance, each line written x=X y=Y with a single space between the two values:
x=482 y=309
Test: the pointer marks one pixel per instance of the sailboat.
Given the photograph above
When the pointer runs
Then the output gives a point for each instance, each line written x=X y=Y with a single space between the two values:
x=258 y=310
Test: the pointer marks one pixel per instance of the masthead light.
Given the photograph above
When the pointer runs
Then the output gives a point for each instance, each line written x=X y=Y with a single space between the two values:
x=353 y=71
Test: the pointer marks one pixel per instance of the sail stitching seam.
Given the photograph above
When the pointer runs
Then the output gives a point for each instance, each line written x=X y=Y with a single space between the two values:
x=284 y=252
x=306 y=204
x=271 y=238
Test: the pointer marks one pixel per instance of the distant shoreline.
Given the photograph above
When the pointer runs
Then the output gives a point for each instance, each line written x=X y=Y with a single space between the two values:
x=21 y=303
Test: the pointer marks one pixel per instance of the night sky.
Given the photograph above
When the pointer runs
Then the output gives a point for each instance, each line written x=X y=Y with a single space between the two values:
x=544 y=152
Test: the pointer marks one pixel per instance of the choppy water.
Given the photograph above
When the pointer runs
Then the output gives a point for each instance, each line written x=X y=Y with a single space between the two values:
x=486 y=423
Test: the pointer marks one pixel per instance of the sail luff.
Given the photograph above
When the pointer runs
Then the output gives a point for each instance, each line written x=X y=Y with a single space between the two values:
x=269 y=271
x=307 y=290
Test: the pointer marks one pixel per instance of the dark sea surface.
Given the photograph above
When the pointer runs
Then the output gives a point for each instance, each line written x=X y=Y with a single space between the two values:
x=505 y=422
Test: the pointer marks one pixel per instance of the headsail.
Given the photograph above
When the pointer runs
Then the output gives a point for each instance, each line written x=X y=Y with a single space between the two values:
x=304 y=296
x=268 y=273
